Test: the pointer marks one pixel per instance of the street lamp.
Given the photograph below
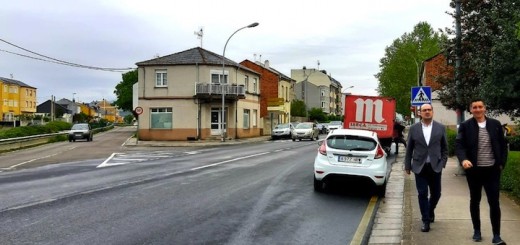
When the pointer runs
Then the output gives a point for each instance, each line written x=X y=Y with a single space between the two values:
x=222 y=81
x=345 y=89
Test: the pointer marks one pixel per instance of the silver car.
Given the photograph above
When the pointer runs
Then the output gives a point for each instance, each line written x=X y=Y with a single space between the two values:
x=80 y=131
x=284 y=130
x=306 y=130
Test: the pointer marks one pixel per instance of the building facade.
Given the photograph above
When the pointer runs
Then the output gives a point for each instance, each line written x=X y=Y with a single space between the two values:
x=17 y=98
x=318 y=90
x=277 y=94
x=189 y=95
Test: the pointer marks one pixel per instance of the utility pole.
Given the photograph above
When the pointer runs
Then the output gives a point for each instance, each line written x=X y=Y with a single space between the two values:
x=458 y=60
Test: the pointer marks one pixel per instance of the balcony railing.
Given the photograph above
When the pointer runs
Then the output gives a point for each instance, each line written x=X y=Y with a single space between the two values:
x=217 y=89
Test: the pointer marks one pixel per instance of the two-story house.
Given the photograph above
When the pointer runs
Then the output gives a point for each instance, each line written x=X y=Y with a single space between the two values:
x=317 y=90
x=16 y=98
x=277 y=94
x=197 y=94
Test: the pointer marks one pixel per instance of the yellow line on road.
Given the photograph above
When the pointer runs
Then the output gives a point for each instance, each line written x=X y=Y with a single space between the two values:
x=363 y=225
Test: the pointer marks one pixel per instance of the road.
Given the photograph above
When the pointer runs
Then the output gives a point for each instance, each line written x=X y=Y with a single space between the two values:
x=104 y=193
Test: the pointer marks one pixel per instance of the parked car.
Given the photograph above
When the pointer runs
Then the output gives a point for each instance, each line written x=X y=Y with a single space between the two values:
x=333 y=125
x=351 y=154
x=306 y=130
x=80 y=131
x=284 y=130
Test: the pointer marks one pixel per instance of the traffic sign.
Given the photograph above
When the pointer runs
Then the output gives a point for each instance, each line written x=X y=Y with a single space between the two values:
x=421 y=95
x=138 y=110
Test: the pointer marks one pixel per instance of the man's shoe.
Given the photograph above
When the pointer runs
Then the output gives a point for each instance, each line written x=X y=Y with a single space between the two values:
x=477 y=237
x=497 y=240
x=425 y=227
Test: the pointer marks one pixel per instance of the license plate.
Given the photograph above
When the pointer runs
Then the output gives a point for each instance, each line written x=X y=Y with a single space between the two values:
x=349 y=159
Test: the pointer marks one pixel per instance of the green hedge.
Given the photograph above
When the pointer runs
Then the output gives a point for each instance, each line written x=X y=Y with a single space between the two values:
x=51 y=127
x=514 y=142
x=510 y=181
x=452 y=135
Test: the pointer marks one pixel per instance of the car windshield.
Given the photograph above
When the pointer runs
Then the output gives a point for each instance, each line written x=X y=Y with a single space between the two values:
x=282 y=126
x=335 y=123
x=80 y=126
x=304 y=126
x=351 y=142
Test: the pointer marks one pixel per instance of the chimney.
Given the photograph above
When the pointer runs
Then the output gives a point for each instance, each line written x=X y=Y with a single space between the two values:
x=266 y=64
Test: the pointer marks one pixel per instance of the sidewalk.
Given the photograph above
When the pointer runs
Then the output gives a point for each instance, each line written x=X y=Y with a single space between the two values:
x=452 y=218
x=195 y=143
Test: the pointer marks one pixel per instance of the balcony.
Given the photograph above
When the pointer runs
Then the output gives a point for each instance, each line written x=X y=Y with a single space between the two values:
x=214 y=91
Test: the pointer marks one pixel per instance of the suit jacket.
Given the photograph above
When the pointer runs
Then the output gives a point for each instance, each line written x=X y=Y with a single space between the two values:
x=467 y=141
x=417 y=151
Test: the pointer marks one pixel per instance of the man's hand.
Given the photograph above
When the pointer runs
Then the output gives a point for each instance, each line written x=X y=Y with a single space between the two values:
x=466 y=164
x=407 y=171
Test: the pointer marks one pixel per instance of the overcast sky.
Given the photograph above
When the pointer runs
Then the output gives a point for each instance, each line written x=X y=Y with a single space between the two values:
x=347 y=37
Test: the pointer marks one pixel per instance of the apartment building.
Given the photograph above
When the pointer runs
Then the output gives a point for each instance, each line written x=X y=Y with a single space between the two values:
x=318 y=90
x=17 y=98
x=277 y=94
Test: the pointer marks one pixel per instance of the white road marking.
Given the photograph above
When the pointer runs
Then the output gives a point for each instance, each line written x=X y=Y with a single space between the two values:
x=32 y=160
x=104 y=164
x=230 y=160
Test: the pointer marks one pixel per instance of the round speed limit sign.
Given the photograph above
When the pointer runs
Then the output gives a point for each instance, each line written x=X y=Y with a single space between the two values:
x=138 y=110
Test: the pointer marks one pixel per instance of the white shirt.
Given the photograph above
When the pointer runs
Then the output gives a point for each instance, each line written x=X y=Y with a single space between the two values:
x=427 y=132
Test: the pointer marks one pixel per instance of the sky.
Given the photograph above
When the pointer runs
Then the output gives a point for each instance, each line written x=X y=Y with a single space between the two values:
x=344 y=37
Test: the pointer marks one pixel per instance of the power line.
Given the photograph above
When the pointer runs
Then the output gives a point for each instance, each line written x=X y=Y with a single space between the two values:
x=57 y=61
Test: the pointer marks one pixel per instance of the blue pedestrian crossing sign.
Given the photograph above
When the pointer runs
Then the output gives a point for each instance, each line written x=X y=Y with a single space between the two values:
x=421 y=95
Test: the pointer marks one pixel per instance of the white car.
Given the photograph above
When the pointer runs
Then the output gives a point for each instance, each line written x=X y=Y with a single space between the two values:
x=333 y=125
x=351 y=154
x=284 y=130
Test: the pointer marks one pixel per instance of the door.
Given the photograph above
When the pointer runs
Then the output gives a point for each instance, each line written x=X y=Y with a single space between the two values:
x=217 y=124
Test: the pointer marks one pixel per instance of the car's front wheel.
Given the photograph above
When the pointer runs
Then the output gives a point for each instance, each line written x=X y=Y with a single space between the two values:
x=318 y=185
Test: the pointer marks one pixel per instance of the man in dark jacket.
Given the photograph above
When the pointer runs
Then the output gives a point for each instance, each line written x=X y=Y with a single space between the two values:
x=482 y=152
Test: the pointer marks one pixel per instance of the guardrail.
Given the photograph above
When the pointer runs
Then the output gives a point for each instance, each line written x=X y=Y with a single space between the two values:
x=35 y=140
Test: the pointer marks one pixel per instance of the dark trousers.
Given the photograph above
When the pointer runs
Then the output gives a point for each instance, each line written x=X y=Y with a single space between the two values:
x=424 y=180
x=398 y=140
x=489 y=178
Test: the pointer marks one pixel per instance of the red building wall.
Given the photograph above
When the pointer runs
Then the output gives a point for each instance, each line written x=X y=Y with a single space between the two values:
x=435 y=67
x=268 y=84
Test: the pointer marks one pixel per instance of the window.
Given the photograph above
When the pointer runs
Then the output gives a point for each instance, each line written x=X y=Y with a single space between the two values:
x=216 y=76
x=161 y=78
x=246 y=83
x=6 y=102
x=161 y=117
x=246 y=118
x=27 y=92
x=253 y=119
x=323 y=104
x=255 y=82
x=27 y=104
x=322 y=92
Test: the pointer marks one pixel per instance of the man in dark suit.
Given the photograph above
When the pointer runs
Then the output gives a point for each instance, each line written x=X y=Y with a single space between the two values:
x=482 y=151
x=426 y=156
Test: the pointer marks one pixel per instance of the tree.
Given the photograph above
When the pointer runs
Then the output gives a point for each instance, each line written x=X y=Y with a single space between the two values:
x=490 y=65
x=298 y=108
x=124 y=91
x=317 y=114
x=400 y=67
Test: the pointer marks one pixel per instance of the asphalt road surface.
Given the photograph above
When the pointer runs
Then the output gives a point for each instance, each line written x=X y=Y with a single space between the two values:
x=101 y=192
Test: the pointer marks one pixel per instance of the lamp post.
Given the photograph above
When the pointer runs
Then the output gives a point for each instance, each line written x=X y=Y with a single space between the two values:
x=223 y=135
